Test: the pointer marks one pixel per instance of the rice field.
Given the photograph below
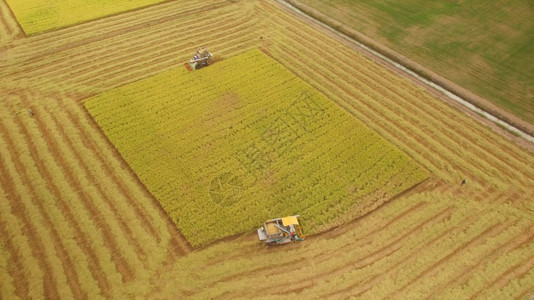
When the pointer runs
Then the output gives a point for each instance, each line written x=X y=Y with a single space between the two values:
x=227 y=147
x=77 y=222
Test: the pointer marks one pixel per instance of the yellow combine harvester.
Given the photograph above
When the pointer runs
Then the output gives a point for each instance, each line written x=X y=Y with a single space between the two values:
x=281 y=231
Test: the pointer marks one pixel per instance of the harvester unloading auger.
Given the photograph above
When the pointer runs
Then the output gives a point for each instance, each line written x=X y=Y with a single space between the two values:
x=281 y=231
x=201 y=59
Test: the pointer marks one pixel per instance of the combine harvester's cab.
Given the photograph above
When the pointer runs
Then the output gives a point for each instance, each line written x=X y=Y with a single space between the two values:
x=281 y=231
x=201 y=59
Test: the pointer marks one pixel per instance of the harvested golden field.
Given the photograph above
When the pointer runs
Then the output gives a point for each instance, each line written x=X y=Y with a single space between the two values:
x=76 y=222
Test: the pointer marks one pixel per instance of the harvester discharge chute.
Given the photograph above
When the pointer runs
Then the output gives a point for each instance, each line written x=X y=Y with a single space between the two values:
x=201 y=59
x=281 y=231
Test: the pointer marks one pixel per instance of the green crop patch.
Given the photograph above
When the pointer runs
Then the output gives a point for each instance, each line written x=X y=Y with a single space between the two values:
x=36 y=16
x=226 y=147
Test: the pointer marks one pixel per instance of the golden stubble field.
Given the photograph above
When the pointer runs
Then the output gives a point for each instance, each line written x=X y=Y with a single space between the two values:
x=76 y=222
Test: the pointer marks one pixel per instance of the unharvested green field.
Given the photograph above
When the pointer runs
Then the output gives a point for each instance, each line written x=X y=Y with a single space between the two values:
x=484 y=46
x=36 y=16
x=227 y=147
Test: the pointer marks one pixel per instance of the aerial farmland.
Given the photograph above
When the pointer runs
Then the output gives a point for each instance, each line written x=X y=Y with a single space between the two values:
x=124 y=173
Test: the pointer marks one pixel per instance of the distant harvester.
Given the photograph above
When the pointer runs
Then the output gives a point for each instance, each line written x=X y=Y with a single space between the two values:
x=201 y=59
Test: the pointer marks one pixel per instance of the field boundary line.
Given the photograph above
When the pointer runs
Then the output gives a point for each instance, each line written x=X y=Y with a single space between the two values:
x=409 y=68
x=7 y=12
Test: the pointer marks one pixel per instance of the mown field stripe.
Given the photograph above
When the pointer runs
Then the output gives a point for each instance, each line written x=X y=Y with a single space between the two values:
x=506 y=246
x=8 y=274
x=326 y=252
x=99 y=163
x=156 y=66
x=125 y=66
x=322 y=255
x=113 y=165
x=327 y=268
x=326 y=87
x=426 y=140
x=485 y=191
x=121 y=214
x=473 y=250
x=502 y=280
x=432 y=269
x=19 y=257
x=63 y=212
x=61 y=192
x=76 y=57
x=93 y=200
x=98 y=38
x=152 y=217
x=156 y=38
x=358 y=288
x=29 y=216
x=344 y=270
x=126 y=209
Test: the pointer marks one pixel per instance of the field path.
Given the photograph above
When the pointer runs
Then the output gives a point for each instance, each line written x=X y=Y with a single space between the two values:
x=75 y=222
